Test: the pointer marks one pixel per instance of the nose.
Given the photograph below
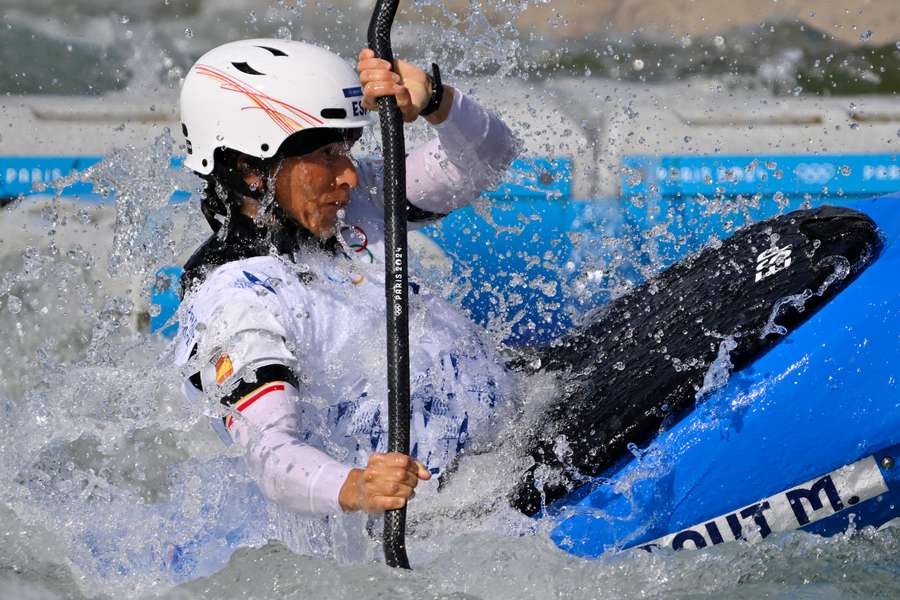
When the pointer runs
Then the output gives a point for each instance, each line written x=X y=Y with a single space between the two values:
x=345 y=173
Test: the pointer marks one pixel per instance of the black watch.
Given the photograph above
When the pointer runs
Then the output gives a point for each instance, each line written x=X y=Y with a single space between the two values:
x=437 y=91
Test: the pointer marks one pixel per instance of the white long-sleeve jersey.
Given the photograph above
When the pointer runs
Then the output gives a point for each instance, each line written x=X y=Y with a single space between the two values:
x=320 y=317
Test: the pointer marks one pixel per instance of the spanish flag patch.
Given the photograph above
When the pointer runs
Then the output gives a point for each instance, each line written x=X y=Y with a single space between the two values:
x=224 y=368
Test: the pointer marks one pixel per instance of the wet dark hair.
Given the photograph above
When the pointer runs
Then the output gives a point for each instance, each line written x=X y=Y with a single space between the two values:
x=225 y=186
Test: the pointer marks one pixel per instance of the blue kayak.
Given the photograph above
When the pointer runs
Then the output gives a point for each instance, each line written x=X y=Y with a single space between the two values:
x=806 y=437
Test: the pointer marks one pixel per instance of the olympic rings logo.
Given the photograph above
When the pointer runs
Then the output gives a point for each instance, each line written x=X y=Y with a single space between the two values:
x=363 y=244
x=815 y=173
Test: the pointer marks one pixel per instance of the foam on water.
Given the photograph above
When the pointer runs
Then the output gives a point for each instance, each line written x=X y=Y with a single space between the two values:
x=111 y=485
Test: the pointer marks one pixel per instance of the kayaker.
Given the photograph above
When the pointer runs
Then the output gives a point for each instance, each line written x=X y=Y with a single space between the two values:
x=282 y=323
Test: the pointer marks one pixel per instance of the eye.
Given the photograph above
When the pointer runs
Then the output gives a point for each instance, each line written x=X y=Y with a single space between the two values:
x=335 y=151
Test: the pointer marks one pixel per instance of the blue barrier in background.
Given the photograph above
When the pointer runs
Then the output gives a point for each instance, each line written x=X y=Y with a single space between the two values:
x=862 y=175
x=165 y=299
x=534 y=243
x=690 y=199
x=527 y=178
x=538 y=245
x=536 y=179
x=20 y=175
x=532 y=265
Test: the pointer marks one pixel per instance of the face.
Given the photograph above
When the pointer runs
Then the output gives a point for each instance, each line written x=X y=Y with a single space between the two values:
x=313 y=187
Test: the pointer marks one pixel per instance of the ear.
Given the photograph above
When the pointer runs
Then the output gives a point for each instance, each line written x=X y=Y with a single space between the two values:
x=252 y=177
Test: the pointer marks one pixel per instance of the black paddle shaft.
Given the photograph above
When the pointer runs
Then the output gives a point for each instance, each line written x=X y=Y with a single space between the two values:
x=395 y=284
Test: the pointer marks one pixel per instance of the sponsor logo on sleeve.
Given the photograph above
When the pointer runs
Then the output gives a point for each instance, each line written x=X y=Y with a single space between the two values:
x=791 y=509
x=353 y=92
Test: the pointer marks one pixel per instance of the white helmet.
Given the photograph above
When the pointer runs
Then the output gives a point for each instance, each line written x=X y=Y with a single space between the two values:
x=251 y=95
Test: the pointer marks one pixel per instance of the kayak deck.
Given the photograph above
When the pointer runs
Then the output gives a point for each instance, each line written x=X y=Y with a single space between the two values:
x=816 y=416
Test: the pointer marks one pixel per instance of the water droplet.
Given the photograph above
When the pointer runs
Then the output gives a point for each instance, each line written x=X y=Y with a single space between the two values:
x=124 y=19
x=854 y=126
x=283 y=33
x=635 y=450
x=719 y=41
x=188 y=32
x=14 y=304
x=638 y=64
x=619 y=366
x=779 y=196
x=220 y=138
x=846 y=170
x=687 y=139
x=898 y=45
x=866 y=35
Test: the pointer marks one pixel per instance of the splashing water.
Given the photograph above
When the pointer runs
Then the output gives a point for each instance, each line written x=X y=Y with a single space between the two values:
x=841 y=268
x=719 y=371
x=113 y=485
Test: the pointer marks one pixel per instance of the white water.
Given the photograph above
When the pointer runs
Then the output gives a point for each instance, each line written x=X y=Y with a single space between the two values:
x=105 y=469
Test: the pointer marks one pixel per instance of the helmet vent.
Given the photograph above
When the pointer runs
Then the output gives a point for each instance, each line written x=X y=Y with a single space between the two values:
x=334 y=113
x=274 y=51
x=245 y=68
